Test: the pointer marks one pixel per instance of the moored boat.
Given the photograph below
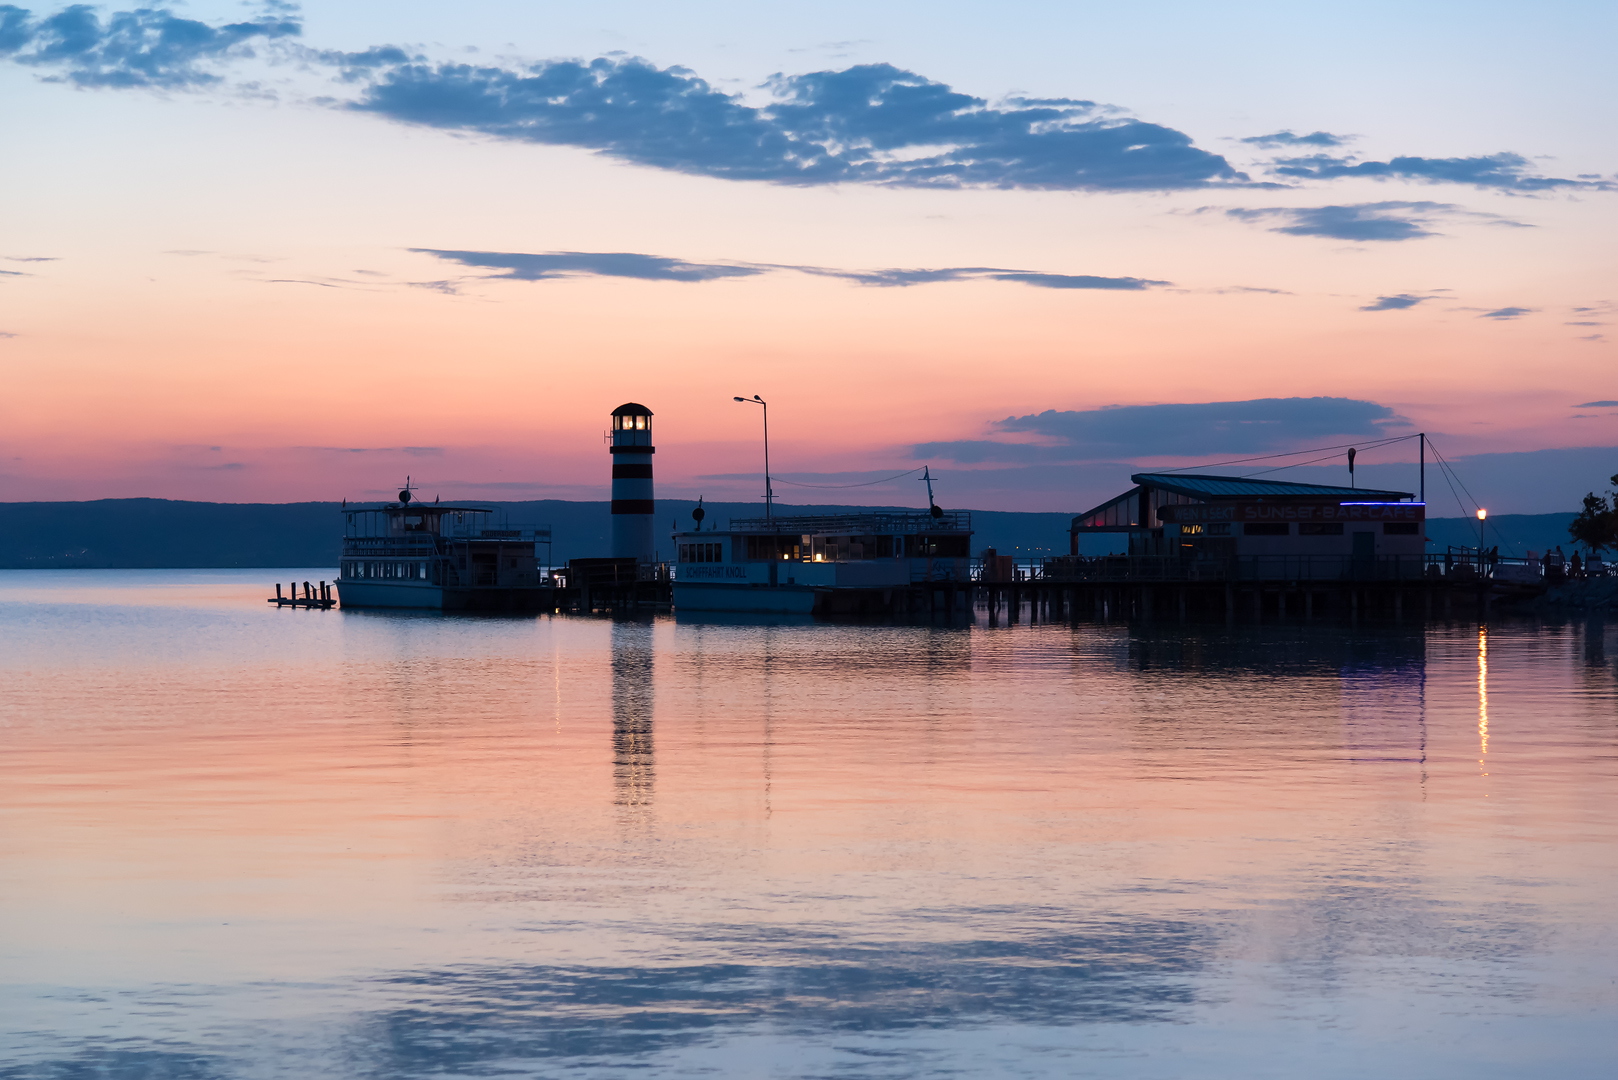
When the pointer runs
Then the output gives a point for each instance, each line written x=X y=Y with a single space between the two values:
x=451 y=558
x=822 y=564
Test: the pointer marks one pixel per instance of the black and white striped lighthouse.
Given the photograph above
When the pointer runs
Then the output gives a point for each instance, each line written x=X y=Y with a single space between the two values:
x=632 y=506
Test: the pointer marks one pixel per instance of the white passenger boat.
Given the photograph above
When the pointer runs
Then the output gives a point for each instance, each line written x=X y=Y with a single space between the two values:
x=823 y=564
x=409 y=555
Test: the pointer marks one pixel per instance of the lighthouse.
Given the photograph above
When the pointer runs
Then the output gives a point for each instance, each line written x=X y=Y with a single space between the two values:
x=632 y=452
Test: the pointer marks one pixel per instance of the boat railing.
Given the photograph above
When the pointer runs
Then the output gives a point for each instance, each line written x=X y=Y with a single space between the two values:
x=919 y=522
x=467 y=530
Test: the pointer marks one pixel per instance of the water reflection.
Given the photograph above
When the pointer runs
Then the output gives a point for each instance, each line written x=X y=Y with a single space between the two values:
x=1483 y=698
x=633 y=759
x=1108 y=968
x=880 y=849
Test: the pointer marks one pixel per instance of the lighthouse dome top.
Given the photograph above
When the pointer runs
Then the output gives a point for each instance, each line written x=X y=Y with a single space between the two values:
x=631 y=409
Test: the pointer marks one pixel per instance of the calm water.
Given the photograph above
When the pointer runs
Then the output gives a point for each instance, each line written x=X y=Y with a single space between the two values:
x=241 y=842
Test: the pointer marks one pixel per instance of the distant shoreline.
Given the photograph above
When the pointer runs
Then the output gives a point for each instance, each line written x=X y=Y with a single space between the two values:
x=165 y=534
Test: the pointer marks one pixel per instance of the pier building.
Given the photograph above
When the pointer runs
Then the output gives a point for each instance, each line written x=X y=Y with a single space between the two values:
x=1272 y=528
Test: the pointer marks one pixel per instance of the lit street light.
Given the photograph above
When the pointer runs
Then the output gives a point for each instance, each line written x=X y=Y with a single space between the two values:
x=769 y=495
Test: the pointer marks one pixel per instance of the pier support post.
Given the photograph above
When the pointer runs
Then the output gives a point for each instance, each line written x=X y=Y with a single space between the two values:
x=1258 y=604
x=1145 y=603
x=1448 y=593
x=1182 y=605
x=1427 y=603
x=1309 y=603
x=1230 y=603
x=1399 y=605
x=1281 y=604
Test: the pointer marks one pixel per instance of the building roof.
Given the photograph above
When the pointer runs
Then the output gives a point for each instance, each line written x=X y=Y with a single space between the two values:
x=1200 y=487
x=631 y=409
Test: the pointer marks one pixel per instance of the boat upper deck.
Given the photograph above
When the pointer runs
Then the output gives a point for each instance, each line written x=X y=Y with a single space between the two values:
x=882 y=523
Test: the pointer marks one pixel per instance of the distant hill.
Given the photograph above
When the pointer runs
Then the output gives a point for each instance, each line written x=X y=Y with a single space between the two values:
x=156 y=533
x=137 y=533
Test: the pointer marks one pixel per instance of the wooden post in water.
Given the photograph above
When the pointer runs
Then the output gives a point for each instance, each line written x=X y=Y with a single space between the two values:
x=1282 y=603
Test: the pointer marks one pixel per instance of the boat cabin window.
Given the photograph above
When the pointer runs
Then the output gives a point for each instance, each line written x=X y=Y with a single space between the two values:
x=701 y=553
x=774 y=547
x=943 y=547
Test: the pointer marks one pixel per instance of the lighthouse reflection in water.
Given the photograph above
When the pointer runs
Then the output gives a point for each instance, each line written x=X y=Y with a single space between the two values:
x=241 y=843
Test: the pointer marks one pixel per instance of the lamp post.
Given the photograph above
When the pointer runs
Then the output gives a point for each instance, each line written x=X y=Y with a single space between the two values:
x=769 y=495
x=1482 y=516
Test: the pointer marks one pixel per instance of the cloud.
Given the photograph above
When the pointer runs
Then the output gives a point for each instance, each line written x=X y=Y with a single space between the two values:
x=868 y=124
x=1596 y=405
x=7 y=334
x=544 y=266
x=561 y=264
x=32 y=258
x=1584 y=323
x=1502 y=172
x=15 y=273
x=1507 y=313
x=901 y=278
x=1395 y=303
x=1287 y=138
x=1362 y=222
x=865 y=124
x=1172 y=429
x=145 y=47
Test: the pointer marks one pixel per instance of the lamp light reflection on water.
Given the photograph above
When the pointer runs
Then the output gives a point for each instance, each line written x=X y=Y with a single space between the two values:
x=1483 y=698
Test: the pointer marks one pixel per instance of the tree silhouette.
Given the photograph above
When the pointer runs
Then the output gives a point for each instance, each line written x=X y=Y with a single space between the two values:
x=1596 y=527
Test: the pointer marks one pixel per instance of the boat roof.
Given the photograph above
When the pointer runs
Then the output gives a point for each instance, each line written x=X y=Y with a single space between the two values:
x=1203 y=486
x=419 y=508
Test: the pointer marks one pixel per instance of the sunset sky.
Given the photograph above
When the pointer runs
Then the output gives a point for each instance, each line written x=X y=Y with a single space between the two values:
x=274 y=253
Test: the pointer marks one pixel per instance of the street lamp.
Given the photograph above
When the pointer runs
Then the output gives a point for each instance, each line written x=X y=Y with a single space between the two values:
x=769 y=495
x=1482 y=515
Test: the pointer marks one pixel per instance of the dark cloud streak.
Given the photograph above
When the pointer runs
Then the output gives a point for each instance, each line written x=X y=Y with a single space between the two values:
x=1170 y=429
x=146 y=47
x=1503 y=171
x=869 y=124
x=1287 y=138
x=545 y=266
x=1378 y=222
x=1395 y=303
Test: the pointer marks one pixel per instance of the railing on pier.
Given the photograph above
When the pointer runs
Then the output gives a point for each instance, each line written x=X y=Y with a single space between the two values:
x=1455 y=567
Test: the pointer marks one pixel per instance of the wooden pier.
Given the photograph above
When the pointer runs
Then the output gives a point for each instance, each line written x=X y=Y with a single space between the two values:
x=314 y=596
x=1247 y=601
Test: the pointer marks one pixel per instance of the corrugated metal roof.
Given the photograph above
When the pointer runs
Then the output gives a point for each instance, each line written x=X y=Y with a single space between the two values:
x=1234 y=487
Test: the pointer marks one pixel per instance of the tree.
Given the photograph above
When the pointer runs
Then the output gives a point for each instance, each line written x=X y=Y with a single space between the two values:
x=1596 y=527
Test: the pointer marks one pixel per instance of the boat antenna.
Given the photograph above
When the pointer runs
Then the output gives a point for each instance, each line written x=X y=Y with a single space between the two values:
x=404 y=493
x=698 y=513
x=932 y=507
